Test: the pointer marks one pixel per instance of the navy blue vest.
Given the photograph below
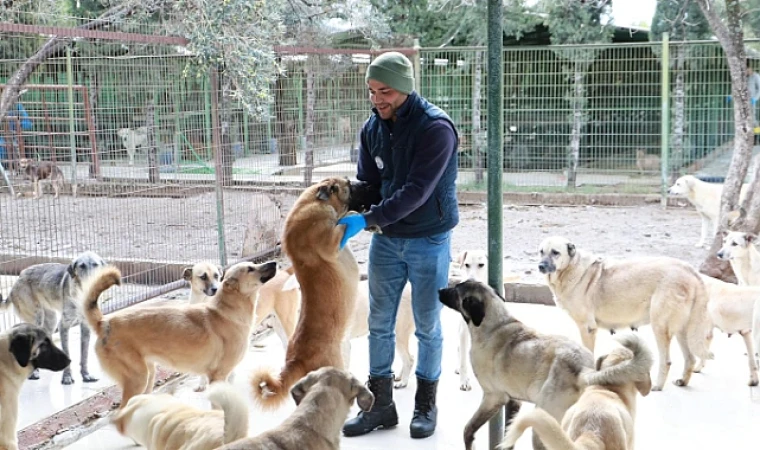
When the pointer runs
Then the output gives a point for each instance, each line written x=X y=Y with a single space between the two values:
x=396 y=150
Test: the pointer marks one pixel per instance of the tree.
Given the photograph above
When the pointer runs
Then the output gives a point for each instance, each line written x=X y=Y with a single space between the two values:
x=573 y=23
x=683 y=21
x=729 y=32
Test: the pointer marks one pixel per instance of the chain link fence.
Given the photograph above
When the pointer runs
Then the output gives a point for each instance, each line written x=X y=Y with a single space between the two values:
x=168 y=171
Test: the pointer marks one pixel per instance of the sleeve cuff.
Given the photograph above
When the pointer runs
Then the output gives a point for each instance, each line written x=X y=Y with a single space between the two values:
x=370 y=218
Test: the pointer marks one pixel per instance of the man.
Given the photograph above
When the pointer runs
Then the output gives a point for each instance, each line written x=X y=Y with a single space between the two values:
x=20 y=116
x=753 y=83
x=407 y=154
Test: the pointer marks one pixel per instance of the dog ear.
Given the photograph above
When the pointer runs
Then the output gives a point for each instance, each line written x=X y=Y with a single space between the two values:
x=21 y=347
x=476 y=310
x=323 y=193
x=461 y=257
x=187 y=274
x=72 y=270
x=221 y=272
x=644 y=387
x=364 y=397
x=230 y=284
x=570 y=249
x=299 y=390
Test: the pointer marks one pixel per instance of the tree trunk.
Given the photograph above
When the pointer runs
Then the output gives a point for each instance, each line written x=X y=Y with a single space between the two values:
x=284 y=126
x=477 y=132
x=225 y=117
x=574 y=150
x=13 y=85
x=731 y=38
x=679 y=115
x=311 y=98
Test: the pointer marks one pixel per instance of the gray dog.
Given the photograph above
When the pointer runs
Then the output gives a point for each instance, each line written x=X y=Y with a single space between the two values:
x=45 y=291
x=513 y=362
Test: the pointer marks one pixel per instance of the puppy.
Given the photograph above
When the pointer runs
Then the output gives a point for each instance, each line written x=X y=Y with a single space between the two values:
x=603 y=292
x=43 y=292
x=162 y=422
x=23 y=348
x=132 y=139
x=706 y=199
x=207 y=338
x=603 y=417
x=646 y=162
x=328 y=277
x=42 y=171
x=324 y=398
x=740 y=250
x=204 y=278
x=512 y=362
x=735 y=309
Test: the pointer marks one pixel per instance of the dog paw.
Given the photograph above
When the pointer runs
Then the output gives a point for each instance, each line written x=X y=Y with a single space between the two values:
x=456 y=371
x=656 y=388
x=200 y=388
x=400 y=384
x=465 y=386
x=752 y=382
x=87 y=378
x=679 y=382
x=67 y=379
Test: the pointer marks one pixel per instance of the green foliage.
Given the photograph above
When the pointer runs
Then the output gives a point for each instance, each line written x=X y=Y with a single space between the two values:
x=681 y=19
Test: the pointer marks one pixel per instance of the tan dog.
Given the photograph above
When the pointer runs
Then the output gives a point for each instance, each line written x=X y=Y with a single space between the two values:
x=359 y=326
x=163 y=422
x=646 y=162
x=512 y=362
x=328 y=278
x=603 y=417
x=706 y=199
x=42 y=171
x=284 y=302
x=208 y=338
x=22 y=348
x=740 y=250
x=599 y=292
x=205 y=279
x=324 y=398
x=735 y=309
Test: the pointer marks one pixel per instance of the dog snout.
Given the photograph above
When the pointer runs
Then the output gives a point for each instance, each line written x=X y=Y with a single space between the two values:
x=268 y=271
x=721 y=255
x=211 y=291
x=546 y=266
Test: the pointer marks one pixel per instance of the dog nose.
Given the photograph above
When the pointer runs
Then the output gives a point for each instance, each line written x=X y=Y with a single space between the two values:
x=720 y=254
x=213 y=290
x=543 y=267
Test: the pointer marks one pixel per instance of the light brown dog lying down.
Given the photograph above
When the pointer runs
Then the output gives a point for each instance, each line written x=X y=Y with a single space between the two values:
x=163 y=422
x=208 y=338
x=328 y=277
x=603 y=417
x=324 y=398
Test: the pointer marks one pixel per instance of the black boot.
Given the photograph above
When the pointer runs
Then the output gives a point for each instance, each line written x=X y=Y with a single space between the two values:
x=425 y=411
x=383 y=412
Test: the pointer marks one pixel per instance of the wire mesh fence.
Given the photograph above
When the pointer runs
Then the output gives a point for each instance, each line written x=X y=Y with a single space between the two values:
x=169 y=171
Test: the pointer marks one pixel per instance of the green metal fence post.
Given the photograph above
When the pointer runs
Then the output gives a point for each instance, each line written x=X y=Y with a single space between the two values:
x=495 y=172
x=72 y=126
x=665 y=120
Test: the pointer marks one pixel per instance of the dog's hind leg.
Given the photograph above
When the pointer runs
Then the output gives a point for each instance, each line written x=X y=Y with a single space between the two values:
x=48 y=320
x=407 y=361
x=688 y=358
x=747 y=336
x=662 y=337
x=84 y=345
x=151 y=379
x=64 y=331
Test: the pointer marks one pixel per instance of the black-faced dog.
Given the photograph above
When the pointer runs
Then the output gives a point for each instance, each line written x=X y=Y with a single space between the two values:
x=512 y=362
x=23 y=348
x=45 y=291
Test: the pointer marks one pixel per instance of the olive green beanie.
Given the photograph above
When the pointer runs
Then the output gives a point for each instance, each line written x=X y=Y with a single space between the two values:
x=393 y=69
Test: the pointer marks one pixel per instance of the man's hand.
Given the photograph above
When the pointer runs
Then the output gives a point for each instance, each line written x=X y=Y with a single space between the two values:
x=354 y=224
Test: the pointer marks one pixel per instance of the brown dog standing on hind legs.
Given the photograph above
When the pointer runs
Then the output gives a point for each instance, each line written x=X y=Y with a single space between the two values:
x=328 y=278
x=208 y=338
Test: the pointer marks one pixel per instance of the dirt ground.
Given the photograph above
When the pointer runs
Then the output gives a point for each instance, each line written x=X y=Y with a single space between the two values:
x=185 y=229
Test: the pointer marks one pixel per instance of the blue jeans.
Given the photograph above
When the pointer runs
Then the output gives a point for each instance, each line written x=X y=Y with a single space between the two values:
x=424 y=262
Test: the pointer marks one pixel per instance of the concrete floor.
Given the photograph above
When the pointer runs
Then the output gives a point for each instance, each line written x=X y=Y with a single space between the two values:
x=717 y=410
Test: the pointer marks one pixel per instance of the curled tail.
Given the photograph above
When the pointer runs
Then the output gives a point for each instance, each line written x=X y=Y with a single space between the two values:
x=544 y=425
x=98 y=282
x=618 y=367
x=229 y=400
x=270 y=390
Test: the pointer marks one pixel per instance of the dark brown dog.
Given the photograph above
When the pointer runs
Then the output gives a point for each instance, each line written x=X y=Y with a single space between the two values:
x=39 y=171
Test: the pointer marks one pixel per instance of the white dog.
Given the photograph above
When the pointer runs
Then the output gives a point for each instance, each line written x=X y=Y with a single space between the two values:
x=131 y=139
x=735 y=309
x=706 y=199
x=740 y=250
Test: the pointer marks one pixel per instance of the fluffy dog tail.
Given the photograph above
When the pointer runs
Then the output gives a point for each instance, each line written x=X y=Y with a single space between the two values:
x=223 y=396
x=98 y=282
x=621 y=367
x=270 y=390
x=544 y=425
